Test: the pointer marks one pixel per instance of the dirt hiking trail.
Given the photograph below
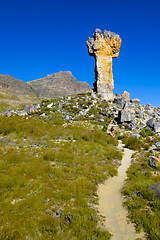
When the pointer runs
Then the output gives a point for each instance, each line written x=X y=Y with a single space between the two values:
x=111 y=203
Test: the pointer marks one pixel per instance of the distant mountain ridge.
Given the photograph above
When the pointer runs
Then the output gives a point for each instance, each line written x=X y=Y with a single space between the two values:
x=52 y=86
x=58 y=85
x=18 y=87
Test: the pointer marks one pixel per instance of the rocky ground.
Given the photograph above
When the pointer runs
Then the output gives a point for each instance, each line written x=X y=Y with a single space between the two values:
x=127 y=112
x=137 y=125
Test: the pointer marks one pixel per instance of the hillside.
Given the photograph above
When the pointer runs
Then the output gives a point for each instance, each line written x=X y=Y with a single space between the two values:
x=58 y=84
x=55 y=154
x=15 y=92
x=13 y=85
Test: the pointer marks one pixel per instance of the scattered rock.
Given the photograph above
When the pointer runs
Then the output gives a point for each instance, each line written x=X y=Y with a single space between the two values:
x=132 y=125
x=50 y=105
x=135 y=135
x=154 y=161
x=4 y=140
x=31 y=109
x=155 y=188
x=157 y=144
x=101 y=120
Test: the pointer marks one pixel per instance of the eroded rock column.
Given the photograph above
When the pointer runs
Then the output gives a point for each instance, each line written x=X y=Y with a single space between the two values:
x=103 y=47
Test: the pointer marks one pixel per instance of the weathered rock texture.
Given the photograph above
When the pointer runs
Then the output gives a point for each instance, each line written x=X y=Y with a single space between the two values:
x=103 y=47
x=58 y=85
x=126 y=96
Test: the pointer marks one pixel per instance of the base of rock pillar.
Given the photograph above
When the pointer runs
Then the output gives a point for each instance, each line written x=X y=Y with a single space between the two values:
x=106 y=96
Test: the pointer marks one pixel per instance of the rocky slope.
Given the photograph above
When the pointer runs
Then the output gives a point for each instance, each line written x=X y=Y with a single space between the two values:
x=58 y=85
x=137 y=125
x=15 y=92
x=124 y=112
x=18 y=87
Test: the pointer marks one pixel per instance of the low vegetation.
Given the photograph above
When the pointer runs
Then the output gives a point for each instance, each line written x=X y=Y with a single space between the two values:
x=50 y=170
x=144 y=210
x=51 y=162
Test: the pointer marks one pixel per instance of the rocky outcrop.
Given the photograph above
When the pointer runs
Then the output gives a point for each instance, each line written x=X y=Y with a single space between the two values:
x=103 y=47
x=126 y=96
x=58 y=85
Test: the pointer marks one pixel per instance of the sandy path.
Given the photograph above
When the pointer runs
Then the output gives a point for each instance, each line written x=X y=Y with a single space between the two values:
x=111 y=203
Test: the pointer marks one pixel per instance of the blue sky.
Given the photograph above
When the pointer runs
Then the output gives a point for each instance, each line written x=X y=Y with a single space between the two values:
x=40 y=37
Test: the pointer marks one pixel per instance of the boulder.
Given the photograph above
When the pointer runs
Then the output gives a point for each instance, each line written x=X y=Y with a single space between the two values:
x=135 y=102
x=150 y=123
x=125 y=116
x=139 y=114
x=22 y=113
x=154 y=161
x=128 y=105
x=149 y=109
x=155 y=188
x=31 y=108
x=101 y=120
x=126 y=96
x=50 y=105
x=157 y=144
x=132 y=125
x=157 y=127
x=120 y=101
x=135 y=135
x=154 y=124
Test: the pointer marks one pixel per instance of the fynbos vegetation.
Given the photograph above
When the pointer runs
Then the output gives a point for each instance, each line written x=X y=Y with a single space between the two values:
x=54 y=154
x=50 y=170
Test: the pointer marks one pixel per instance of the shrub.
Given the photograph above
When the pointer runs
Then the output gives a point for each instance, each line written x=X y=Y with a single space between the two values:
x=133 y=143
x=45 y=100
x=142 y=206
x=145 y=132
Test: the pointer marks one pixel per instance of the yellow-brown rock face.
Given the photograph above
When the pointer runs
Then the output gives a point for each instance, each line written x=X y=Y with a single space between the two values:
x=103 y=47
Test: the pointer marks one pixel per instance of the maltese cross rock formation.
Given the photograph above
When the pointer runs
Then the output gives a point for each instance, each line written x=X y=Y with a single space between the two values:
x=103 y=47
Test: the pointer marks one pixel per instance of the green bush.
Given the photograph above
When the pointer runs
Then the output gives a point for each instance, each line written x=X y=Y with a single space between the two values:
x=145 y=132
x=132 y=143
x=45 y=100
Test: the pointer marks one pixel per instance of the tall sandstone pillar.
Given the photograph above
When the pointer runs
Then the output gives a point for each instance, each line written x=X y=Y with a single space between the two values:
x=103 y=47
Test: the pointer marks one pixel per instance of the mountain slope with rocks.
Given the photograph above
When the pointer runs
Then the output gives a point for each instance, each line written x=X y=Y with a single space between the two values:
x=69 y=139
x=16 y=86
x=58 y=85
x=15 y=92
